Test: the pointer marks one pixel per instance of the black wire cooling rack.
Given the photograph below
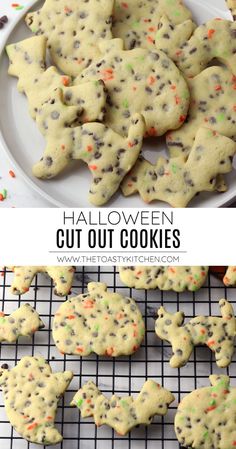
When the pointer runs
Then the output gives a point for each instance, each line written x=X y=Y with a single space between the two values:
x=124 y=375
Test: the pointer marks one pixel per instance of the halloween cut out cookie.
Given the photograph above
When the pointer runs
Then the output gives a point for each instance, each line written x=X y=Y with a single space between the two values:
x=99 y=321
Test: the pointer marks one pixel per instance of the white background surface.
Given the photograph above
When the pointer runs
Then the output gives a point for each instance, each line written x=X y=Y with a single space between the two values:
x=21 y=194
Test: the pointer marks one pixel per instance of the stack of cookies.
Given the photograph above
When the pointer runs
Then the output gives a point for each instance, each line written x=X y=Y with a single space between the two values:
x=123 y=72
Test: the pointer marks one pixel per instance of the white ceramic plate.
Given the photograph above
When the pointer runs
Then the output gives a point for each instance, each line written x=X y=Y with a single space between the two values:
x=23 y=143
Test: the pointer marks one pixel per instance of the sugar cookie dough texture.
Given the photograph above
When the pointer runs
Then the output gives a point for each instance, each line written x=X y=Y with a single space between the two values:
x=28 y=63
x=164 y=278
x=230 y=277
x=24 y=322
x=123 y=413
x=31 y=395
x=217 y=333
x=73 y=30
x=98 y=321
x=108 y=155
x=206 y=417
x=136 y=22
x=24 y=275
x=176 y=181
x=213 y=100
x=140 y=81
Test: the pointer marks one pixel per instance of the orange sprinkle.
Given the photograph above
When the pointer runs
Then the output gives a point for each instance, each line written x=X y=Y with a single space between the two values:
x=152 y=29
x=67 y=10
x=210 y=33
x=89 y=148
x=203 y=331
x=12 y=174
x=88 y=304
x=125 y=5
x=93 y=167
x=211 y=343
x=151 y=80
x=49 y=418
x=65 y=81
x=179 y=52
x=109 y=351
x=107 y=74
x=173 y=87
x=171 y=269
x=177 y=99
x=1 y=197
x=134 y=88
x=234 y=86
x=218 y=87
x=150 y=39
x=182 y=118
x=152 y=132
x=70 y=317
x=138 y=273
x=209 y=409
x=25 y=289
x=32 y=426
x=88 y=401
x=2 y=314
x=80 y=349
x=130 y=184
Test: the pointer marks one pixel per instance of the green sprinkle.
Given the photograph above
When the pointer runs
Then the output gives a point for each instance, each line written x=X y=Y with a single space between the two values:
x=105 y=302
x=125 y=104
x=205 y=435
x=213 y=402
x=4 y=193
x=123 y=403
x=174 y=168
x=85 y=154
x=96 y=328
x=176 y=13
x=80 y=402
x=129 y=67
x=186 y=94
x=18 y=8
x=2 y=320
x=96 y=83
x=196 y=277
x=68 y=328
x=135 y=24
x=220 y=117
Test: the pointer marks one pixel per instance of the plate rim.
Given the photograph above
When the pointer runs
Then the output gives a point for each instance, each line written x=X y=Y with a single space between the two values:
x=229 y=196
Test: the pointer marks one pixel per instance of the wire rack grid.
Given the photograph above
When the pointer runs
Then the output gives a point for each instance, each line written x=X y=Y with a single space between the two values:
x=124 y=375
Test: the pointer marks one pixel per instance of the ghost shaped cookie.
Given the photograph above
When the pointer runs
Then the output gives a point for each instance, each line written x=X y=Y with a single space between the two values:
x=31 y=394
